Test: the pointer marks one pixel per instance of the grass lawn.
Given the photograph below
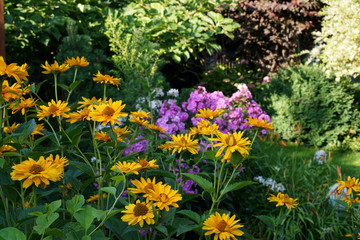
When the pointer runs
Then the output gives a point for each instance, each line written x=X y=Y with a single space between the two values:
x=347 y=160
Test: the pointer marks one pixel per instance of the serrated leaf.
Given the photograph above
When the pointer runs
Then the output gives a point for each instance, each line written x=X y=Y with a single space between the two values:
x=202 y=182
x=75 y=204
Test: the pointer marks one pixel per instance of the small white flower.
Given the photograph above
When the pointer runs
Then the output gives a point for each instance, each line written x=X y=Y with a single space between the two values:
x=320 y=156
x=155 y=104
x=158 y=92
x=277 y=168
x=93 y=159
x=122 y=120
x=241 y=86
x=173 y=93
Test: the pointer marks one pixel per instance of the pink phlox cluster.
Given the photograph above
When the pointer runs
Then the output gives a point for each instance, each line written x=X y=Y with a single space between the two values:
x=171 y=117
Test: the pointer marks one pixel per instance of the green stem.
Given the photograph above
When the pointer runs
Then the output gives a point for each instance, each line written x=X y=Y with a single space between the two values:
x=71 y=90
x=56 y=93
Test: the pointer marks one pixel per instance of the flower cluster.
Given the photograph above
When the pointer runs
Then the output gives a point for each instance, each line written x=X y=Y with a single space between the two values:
x=171 y=117
x=269 y=182
x=189 y=186
x=283 y=199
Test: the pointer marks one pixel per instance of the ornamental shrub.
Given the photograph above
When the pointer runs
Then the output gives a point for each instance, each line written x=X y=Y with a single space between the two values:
x=307 y=105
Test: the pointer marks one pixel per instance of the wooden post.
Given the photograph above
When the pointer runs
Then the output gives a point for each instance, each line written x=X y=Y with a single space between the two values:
x=2 y=30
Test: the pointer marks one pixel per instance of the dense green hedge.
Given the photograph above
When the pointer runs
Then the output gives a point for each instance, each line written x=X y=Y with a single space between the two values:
x=308 y=106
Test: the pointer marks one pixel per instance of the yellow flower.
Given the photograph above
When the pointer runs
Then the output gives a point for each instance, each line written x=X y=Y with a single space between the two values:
x=22 y=105
x=102 y=136
x=89 y=103
x=145 y=164
x=223 y=227
x=94 y=198
x=121 y=132
x=155 y=128
x=232 y=142
x=107 y=79
x=209 y=114
x=13 y=70
x=54 y=109
x=39 y=172
x=6 y=148
x=139 y=121
x=164 y=196
x=180 y=143
x=204 y=128
x=38 y=129
x=77 y=62
x=259 y=123
x=283 y=199
x=12 y=93
x=74 y=117
x=54 y=68
x=352 y=184
x=349 y=200
x=108 y=112
x=138 y=213
x=143 y=186
x=126 y=167
x=11 y=129
x=140 y=114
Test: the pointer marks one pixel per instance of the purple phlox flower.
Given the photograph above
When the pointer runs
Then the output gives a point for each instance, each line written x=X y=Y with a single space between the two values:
x=171 y=117
x=136 y=147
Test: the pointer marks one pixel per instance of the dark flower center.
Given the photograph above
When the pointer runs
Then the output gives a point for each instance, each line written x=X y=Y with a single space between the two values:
x=231 y=141
x=53 y=108
x=140 y=209
x=108 y=111
x=36 y=169
x=163 y=197
x=221 y=226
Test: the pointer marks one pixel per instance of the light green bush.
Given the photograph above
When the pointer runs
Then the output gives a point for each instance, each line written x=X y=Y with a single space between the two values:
x=339 y=40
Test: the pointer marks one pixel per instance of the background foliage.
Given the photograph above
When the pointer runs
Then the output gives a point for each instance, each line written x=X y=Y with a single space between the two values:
x=307 y=105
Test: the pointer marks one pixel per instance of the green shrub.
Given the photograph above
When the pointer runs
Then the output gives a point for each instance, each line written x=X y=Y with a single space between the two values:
x=308 y=106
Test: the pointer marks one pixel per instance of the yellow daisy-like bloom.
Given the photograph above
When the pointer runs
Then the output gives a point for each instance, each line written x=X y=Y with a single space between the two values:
x=107 y=79
x=164 y=196
x=139 y=121
x=350 y=200
x=94 y=198
x=121 y=132
x=13 y=70
x=232 y=142
x=11 y=93
x=22 y=105
x=259 y=123
x=38 y=129
x=180 y=143
x=223 y=227
x=143 y=186
x=145 y=164
x=89 y=103
x=54 y=109
x=59 y=162
x=81 y=115
x=77 y=62
x=283 y=199
x=140 y=114
x=102 y=136
x=108 y=112
x=155 y=128
x=11 y=129
x=6 y=148
x=39 y=172
x=204 y=128
x=54 y=68
x=138 y=213
x=352 y=184
x=209 y=114
x=126 y=167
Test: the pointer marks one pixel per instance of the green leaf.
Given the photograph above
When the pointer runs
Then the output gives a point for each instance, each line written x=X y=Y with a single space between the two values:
x=162 y=229
x=176 y=58
x=191 y=214
x=110 y=190
x=75 y=204
x=236 y=186
x=74 y=85
x=11 y=233
x=118 y=179
x=25 y=129
x=82 y=166
x=85 y=216
x=52 y=207
x=202 y=182
x=269 y=221
x=236 y=158
x=63 y=86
